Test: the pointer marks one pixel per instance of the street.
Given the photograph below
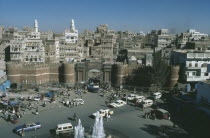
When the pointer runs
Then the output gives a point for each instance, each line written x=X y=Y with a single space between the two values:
x=126 y=122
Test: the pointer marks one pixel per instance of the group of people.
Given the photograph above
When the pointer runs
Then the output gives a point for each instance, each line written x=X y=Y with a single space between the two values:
x=150 y=115
x=12 y=113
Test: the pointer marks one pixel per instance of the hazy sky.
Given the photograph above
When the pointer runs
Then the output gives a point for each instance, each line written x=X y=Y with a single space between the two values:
x=131 y=15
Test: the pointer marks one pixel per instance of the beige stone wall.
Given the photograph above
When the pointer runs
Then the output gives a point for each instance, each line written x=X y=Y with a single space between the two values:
x=69 y=73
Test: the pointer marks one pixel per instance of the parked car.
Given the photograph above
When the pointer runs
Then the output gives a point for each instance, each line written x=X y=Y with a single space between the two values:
x=118 y=103
x=131 y=97
x=14 y=101
x=104 y=112
x=79 y=101
x=139 y=99
x=37 y=98
x=49 y=94
x=27 y=127
x=156 y=95
x=64 y=128
x=162 y=114
x=147 y=103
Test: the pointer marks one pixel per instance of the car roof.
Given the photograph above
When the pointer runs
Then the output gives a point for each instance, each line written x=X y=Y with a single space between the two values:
x=29 y=123
x=157 y=93
x=139 y=96
x=78 y=99
x=132 y=95
x=119 y=101
x=103 y=109
x=63 y=125
x=162 y=110
x=148 y=100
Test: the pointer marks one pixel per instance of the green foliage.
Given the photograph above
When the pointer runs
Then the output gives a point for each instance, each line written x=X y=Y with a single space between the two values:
x=161 y=70
x=144 y=76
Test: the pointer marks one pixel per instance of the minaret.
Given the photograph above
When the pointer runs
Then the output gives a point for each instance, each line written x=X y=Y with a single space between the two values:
x=36 y=26
x=72 y=27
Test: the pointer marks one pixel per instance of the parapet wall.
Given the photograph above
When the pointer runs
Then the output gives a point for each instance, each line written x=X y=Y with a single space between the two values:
x=120 y=71
x=32 y=73
x=69 y=73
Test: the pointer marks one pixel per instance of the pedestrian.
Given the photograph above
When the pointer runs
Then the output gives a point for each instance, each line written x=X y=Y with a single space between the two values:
x=22 y=132
x=145 y=115
x=74 y=117
x=106 y=103
x=37 y=111
x=9 y=118
x=81 y=96
x=107 y=116
x=174 y=124
x=136 y=103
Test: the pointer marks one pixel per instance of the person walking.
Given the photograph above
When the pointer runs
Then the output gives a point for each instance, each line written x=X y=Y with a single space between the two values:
x=37 y=112
x=107 y=117
x=142 y=107
x=106 y=103
x=74 y=117
x=22 y=132
x=145 y=115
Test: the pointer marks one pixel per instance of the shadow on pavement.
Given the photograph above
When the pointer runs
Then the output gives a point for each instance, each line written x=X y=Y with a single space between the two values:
x=165 y=131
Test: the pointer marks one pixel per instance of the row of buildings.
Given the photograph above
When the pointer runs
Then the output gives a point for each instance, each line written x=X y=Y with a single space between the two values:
x=29 y=55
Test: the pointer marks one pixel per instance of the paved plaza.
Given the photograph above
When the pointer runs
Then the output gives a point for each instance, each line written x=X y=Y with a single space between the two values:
x=126 y=122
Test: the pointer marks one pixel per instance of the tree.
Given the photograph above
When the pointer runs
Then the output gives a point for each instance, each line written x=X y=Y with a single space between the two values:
x=161 y=70
x=123 y=56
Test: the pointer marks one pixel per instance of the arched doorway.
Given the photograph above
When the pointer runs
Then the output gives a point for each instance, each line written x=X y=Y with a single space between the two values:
x=94 y=80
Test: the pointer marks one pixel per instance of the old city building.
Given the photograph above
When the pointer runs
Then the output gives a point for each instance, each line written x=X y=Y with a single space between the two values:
x=70 y=58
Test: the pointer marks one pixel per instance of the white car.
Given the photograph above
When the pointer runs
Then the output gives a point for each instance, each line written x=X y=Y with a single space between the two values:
x=132 y=97
x=140 y=99
x=37 y=98
x=156 y=95
x=118 y=103
x=79 y=101
x=104 y=112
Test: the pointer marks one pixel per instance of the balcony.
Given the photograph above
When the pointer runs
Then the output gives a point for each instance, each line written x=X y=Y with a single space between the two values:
x=197 y=78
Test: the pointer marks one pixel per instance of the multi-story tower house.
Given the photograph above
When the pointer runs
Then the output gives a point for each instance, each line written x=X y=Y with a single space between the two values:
x=71 y=36
x=27 y=47
x=1 y=32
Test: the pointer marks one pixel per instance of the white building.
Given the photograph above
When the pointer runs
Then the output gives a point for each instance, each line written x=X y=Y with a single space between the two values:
x=195 y=35
x=195 y=64
x=27 y=47
x=164 y=39
x=71 y=36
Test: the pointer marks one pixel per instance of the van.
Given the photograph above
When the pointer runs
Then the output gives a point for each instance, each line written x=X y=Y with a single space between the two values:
x=64 y=128
x=156 y=95
x=140 y=99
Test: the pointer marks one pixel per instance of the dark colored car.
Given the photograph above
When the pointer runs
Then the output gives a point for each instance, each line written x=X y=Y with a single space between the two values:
x=49 y=94
x=162 y=114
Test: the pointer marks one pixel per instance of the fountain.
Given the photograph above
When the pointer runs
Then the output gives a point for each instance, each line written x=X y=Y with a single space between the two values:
x=98 y=129
x=79 y=130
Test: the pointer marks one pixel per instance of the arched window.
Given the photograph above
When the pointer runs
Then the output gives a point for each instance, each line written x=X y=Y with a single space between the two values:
x=196 y=64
